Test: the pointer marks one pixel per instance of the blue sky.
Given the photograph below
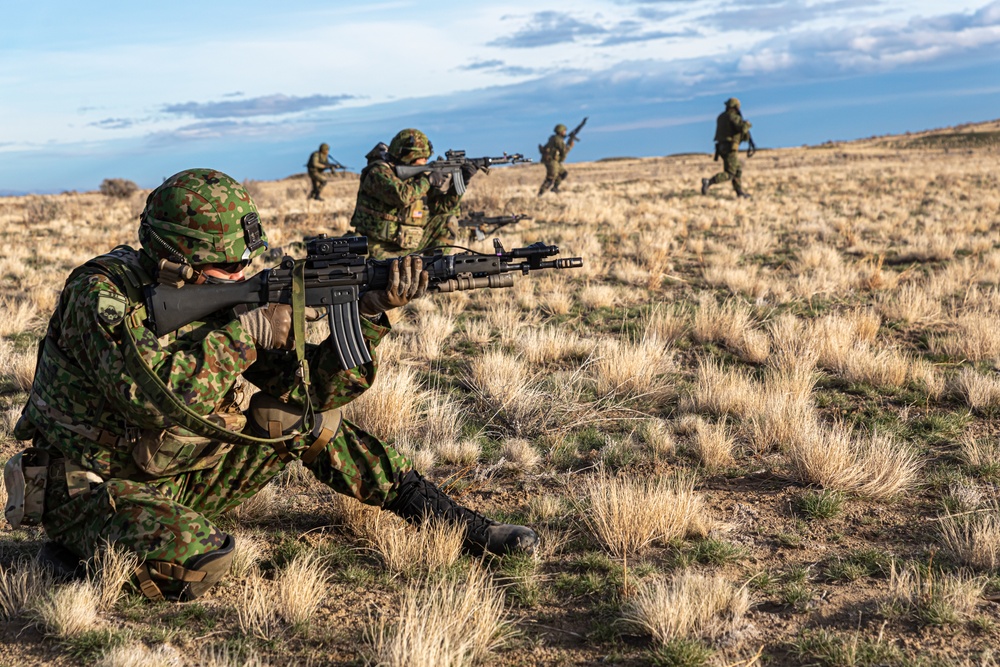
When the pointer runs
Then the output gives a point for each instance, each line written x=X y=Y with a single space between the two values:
x=142 y=90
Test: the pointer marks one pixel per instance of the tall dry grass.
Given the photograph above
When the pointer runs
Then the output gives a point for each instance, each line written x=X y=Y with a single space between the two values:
x=441 y=622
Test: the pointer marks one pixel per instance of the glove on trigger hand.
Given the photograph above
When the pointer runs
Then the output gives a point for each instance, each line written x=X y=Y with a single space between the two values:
x=405 y=285
x=439 y=180
x=270 y=326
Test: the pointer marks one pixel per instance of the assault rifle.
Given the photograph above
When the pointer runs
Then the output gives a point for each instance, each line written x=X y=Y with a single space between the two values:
x=452 y=163
x=334 y=165
x=334 y=275
x=751 y=146
x=477 y=221
x=571 y=137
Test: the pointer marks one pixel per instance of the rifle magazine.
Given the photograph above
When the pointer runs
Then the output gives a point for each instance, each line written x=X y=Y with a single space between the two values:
x=345 y=329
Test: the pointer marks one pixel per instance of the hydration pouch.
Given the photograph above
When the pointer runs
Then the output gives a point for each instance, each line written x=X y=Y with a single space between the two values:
x=25 y=477
x=162 y=453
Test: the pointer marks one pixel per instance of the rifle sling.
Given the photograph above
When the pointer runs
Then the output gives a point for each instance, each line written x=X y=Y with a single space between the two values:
x=174 y=408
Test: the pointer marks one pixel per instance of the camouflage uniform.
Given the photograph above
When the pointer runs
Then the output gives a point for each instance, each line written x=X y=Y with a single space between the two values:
x=553 y=155
x=318 y=163
x=87 y=412
x=400 y=216
x=730 y=131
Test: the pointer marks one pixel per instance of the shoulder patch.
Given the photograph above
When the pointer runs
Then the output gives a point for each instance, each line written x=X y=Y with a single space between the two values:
x=111 y=306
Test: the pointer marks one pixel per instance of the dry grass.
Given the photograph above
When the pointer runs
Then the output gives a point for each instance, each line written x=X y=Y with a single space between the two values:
x=256 y=615
x=633 y=369
x=690 y=606
x=299 y=590
x=934 y=597
x=68 y=610
x=404 y=551
x=440 y=623
x=628 y=514
x=521 y=455
x=713 y=443
x=391 y=407
x=110 y=569
x=139 y=655
x=977 y=390
x=21 y=586
x=973 y=536
x=247 y=553
x=874 y=465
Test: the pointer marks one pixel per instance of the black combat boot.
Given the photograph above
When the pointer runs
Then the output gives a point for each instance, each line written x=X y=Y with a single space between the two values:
x=417 y=498
x=546 y=184
x=63 y=563
x=706 y=183
x=742 y=195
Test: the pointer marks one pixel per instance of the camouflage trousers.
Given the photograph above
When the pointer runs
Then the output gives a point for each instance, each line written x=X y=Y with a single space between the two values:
x=173 y=519
x=555 y=171
x=732 y=170
x=318 y=180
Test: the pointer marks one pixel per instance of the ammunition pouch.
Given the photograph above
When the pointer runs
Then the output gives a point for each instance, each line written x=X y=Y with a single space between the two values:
x=271 y=417
x=161 y=453
x=202 y=572
x=408 y=236
x=25 y=475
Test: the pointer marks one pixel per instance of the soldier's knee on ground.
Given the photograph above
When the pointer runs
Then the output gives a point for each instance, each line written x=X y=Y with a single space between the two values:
x=161 y=580
x=269 y=417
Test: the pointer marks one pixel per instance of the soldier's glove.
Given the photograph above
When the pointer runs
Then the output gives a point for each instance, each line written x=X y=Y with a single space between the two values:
x=406 y=283
x=468 y=171
x=270 y=326
x=439 y=180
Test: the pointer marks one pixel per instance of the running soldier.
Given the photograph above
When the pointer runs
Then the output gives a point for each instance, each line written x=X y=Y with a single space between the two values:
x=553 y=155
x=139 y=440
x=730 y=131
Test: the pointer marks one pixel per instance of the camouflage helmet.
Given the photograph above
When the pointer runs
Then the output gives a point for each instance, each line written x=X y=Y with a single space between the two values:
x=324 y=148
x=410 y=145
x=201 y=216
x=732 y=102
x=560 y=129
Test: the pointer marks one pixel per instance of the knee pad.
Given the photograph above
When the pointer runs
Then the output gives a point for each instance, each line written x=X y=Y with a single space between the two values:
x=162 y=580
x=269 y=417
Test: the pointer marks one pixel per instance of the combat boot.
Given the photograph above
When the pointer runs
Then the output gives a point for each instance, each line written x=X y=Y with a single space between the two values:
x=63 y=563
x=706 y=183
x=546 y=184
x=417 y=499
x=743 y=195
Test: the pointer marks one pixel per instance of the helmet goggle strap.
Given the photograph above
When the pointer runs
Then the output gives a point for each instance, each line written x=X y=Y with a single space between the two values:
x=252 y=234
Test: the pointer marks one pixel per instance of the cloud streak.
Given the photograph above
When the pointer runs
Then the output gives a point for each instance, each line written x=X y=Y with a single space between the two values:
x=267 y=105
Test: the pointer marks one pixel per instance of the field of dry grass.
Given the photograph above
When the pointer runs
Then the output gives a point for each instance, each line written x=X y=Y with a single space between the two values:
x=749 y=432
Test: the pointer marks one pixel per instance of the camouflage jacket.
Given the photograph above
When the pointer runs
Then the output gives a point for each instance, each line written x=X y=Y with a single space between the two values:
x=318 y=163
x=392 y=209
x=84 y=403
x=730 y=131
x=555 y=150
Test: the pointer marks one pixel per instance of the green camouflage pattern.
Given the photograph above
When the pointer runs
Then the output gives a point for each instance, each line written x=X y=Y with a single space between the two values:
x=732 y=170
x=318 y=163
x=198 y=215
x=731 y=130
x=401 y=216
x=410 y=145
x=555 y=150
x=85 y=407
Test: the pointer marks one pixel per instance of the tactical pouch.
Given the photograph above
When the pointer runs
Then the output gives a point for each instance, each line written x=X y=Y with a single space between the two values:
x=161 y=453
x=25 y=476
x=409 y=236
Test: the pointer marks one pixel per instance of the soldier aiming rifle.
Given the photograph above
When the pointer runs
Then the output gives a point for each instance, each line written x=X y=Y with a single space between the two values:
x=319 y=162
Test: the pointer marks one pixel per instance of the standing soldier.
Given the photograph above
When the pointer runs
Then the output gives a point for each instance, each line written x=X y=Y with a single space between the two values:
x=403 y=216
x=139 y=440
x=319 y=162
x=553 y=155
x=730 y=131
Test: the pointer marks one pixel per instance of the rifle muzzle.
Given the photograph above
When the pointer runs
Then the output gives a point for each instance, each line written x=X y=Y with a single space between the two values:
x=467 y=282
